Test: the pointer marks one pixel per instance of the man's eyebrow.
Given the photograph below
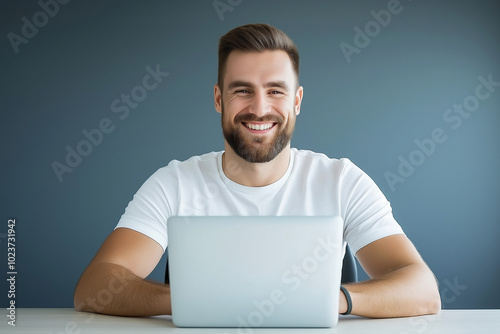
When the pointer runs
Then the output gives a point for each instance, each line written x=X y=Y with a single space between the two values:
x=239 y=83
x=280 y=84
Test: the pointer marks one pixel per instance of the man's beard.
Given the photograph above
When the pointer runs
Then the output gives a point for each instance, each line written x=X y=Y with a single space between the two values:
x=254 y=149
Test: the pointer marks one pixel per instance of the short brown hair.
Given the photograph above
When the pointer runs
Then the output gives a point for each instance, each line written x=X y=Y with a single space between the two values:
x=256 y=37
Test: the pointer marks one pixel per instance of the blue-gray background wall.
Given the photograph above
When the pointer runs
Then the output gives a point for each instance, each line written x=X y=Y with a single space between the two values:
x=393 y=88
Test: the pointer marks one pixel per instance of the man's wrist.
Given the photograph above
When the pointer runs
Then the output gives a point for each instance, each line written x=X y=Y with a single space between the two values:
x=345 y=306
x=342 y=303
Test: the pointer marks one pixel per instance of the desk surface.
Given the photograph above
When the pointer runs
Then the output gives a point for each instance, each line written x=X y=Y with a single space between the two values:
x=66 y=320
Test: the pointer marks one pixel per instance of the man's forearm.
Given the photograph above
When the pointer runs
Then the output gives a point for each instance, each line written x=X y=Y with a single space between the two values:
x=408 y=291
x=112 y=289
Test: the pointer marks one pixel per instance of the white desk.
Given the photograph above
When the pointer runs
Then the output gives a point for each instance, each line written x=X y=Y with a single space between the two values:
x=66 y=320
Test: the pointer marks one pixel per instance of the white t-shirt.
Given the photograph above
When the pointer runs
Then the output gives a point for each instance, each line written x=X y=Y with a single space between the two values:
x=313 y=185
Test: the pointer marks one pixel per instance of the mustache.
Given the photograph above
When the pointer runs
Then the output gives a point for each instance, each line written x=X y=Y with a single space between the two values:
x=249 y=117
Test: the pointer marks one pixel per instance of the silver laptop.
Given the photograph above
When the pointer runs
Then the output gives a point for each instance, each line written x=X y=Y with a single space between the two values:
x=252 y=272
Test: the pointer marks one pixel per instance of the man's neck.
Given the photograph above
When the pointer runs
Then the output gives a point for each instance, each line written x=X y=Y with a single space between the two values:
x=254 y=174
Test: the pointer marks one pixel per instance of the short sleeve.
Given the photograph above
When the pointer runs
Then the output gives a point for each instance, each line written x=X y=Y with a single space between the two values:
x=149 y=209
x=366 y=211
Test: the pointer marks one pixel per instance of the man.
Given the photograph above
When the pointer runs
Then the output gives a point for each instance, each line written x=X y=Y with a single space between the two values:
x=258 y=96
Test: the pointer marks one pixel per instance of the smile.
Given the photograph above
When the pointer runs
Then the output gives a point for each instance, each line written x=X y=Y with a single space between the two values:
x=259 y=126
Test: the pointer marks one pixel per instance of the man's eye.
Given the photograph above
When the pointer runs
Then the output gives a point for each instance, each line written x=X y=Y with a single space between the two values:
x=241 y=91
x=276 y=92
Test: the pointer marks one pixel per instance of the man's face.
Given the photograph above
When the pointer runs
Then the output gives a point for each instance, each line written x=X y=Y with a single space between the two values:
x=259 y=103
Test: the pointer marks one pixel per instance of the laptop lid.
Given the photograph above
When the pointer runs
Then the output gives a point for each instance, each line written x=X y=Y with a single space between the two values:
x=279 y=271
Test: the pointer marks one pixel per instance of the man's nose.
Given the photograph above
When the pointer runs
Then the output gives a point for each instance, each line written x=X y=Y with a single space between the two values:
x=260 y=106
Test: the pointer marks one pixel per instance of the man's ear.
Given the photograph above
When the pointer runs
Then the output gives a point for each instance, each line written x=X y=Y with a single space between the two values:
x=218 y=98
x=298 y=99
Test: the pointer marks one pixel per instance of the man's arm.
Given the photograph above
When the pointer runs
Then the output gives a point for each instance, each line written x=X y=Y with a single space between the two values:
x=401 y=283
x=114 y=283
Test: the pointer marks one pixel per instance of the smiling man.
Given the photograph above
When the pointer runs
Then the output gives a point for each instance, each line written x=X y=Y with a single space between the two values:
x=259 y=97
x=258 y=108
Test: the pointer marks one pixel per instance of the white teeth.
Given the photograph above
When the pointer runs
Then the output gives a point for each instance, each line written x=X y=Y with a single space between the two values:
x=259 y=127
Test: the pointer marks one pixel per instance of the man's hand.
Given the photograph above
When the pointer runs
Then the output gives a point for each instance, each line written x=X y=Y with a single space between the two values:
x=401 y=283
x=114 y=282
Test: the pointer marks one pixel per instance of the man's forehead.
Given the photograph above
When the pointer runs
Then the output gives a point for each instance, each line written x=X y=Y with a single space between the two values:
x=268 y=66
